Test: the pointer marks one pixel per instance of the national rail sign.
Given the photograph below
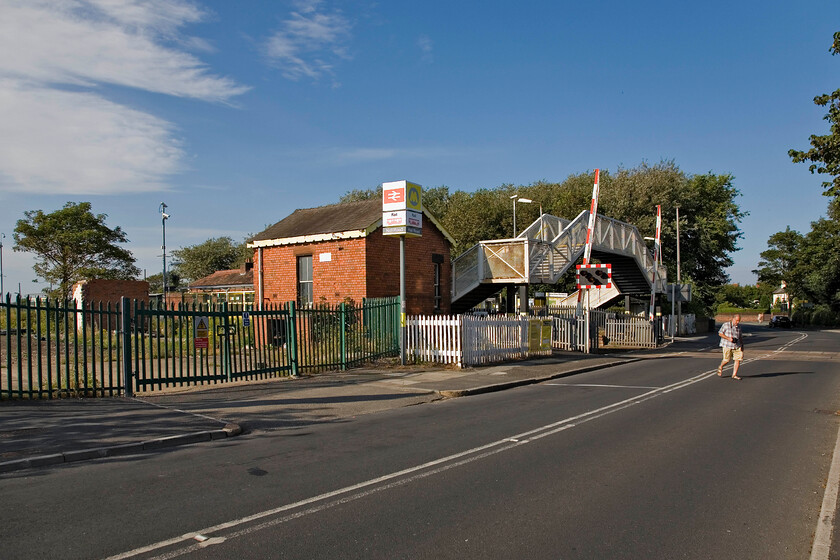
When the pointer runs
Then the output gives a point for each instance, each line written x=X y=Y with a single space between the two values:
x=402 y=209
x=594 y=276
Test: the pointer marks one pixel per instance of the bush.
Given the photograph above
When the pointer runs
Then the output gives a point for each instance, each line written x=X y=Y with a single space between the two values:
x=822 y=316
x=723 y=308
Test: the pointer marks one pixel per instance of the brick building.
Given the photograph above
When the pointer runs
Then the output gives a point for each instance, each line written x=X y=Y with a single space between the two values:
x=334 y=253
x=99 y=294
x=234 y=287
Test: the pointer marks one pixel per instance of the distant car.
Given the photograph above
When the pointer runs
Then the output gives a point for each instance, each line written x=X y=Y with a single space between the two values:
x=780 y=321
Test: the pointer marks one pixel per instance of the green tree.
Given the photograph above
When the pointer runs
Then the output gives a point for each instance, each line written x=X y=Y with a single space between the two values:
x=357 y=195
x=219 y=253
x=818 y=267
x=173 y=282
x=779 y=262
x=824 y=154
x=709 y=214
x=72 y=244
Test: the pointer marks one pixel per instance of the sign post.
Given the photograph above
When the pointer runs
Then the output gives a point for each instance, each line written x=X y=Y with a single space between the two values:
x=657 y=256
x=402 y=215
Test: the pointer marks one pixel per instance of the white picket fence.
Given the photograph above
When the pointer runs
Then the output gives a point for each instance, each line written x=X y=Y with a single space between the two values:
x=466 y=340
x=434 y=338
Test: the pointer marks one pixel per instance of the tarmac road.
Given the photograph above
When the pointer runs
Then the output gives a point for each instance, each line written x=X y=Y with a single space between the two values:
x=651 y=459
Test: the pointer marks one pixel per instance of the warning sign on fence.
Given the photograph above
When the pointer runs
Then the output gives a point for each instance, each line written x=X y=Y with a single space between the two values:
x=202 y=332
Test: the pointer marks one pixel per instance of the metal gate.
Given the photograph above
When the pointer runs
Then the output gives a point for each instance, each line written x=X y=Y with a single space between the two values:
x=64 y=349
x=199 y=346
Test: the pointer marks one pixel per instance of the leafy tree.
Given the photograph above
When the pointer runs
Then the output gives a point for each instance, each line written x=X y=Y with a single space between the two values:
x=824 y=154
x=219 y=253
x=709 y=214
x=818 y=268
x=73 y=244
x=778 y=262
x=357 y=195
x=173 y=282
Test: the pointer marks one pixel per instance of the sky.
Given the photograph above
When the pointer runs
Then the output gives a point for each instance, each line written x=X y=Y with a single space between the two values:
x=237 y=113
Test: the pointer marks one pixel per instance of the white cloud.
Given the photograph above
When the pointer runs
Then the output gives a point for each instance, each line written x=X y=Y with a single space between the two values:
x=68 y=138
x=427 y=47
x=78 y=143
x=308 y=43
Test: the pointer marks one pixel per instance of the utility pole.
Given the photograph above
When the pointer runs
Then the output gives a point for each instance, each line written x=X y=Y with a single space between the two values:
x=164 y=217
x=679 y=302
x=2 y=291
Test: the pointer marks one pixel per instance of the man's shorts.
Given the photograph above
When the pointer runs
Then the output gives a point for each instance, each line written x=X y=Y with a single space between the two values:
x=733 y=353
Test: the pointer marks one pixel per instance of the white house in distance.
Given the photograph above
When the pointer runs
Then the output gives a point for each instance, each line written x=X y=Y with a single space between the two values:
x=780 y=296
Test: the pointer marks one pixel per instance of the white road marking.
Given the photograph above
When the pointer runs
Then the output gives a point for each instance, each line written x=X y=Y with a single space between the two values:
x=603 y=386
x=411 y=474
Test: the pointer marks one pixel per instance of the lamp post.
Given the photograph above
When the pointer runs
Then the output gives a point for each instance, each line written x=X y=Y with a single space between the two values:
x=515 y=198
x=2 y=291
x=164 y=217
x=679 y=283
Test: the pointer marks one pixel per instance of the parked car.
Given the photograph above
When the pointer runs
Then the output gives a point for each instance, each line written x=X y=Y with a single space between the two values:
x=781 y=321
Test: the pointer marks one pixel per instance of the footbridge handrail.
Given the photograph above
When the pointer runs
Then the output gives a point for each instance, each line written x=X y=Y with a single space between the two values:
x=546 y=249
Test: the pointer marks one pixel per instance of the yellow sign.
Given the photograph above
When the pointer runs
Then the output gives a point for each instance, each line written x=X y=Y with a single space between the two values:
x=201 y=332
x=414 y=197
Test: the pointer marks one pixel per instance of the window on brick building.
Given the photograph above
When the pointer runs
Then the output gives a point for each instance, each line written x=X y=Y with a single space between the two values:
x=304 y=272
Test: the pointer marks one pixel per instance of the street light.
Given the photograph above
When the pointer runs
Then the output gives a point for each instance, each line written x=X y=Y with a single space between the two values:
x=679 y=280
x=515 y=198
x=164 y=217
x=2 y=291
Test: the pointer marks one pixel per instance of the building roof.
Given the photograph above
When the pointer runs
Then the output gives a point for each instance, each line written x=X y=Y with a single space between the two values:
x=336 y=221
x=236 y=278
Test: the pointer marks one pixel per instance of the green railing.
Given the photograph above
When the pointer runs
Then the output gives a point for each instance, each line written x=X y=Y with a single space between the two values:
x=342 y=336
x=50 y=350
x=53 y=349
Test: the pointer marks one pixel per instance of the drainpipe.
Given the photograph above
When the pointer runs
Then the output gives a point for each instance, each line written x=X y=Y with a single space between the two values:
x=260 y=276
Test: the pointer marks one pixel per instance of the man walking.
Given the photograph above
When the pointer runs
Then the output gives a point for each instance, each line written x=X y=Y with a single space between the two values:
x=732 y=344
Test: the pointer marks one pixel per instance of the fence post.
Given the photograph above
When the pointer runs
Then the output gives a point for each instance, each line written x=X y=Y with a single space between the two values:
x=128 y=387
x=342 y=336
x=291 y=338
x=225 y=341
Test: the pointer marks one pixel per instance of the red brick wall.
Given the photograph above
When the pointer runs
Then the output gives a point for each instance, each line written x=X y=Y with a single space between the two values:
x=96 y=292
x=361 y=268
x=341 y=277
x=110 y=291
x=383 y=271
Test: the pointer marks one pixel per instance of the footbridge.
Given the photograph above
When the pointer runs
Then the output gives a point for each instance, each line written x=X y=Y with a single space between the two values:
x=546 y=250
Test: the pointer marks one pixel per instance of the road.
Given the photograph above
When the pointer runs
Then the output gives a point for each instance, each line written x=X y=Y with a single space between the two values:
x=655 y=459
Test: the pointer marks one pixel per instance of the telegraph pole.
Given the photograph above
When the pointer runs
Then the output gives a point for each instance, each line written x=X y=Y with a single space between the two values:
x=679 y=302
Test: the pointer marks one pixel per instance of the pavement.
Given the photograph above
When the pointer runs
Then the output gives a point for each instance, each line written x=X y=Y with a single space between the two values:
x=43 y=433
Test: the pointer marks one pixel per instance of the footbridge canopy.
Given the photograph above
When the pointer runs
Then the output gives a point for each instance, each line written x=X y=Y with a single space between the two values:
x=546 y=250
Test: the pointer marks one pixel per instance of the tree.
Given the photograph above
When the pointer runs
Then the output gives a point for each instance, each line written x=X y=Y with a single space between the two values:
x=709 y=214
x=824 y=154
x=778 y=262
x=73 y=244
x=818 y=267
x=219 y=253
x=173 y=282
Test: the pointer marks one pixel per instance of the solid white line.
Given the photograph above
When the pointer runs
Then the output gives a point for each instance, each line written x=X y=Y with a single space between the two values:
x=603 y=386
x=825 y=523
x=399 y=478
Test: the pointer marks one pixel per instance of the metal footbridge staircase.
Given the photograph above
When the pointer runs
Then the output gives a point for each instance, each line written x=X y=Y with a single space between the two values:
x=546 y=250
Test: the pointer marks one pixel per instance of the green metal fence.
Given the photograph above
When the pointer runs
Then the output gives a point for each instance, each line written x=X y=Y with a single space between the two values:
x=53 y=349
x=50 y=350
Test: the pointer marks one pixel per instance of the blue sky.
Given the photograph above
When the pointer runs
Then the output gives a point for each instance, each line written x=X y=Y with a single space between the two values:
x=237 y=113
